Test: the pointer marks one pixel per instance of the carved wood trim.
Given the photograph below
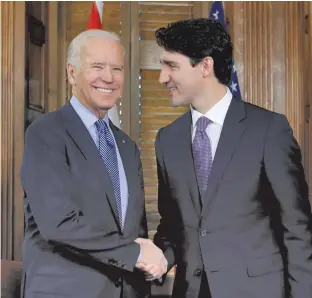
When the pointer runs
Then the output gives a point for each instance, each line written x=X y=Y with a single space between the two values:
x=125 y=38
x=294 y=86
x=308 y=92
x=135 y=127
x=12 y=127
x=62 y=53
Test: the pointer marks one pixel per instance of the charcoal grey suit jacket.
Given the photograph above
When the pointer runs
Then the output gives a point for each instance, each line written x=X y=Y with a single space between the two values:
x=74 y=245
x=251 y=232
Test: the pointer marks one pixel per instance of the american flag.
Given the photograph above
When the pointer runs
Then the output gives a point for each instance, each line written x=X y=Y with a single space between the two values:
x=217 y=13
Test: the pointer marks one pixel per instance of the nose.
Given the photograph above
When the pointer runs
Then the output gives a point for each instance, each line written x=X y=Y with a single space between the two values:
x=107 y=74
x=163 y=76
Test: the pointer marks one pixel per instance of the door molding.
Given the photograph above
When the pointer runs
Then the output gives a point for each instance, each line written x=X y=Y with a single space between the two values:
x=12 y=126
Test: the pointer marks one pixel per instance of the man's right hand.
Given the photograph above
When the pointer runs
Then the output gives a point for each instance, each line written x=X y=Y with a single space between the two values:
x=152 y=259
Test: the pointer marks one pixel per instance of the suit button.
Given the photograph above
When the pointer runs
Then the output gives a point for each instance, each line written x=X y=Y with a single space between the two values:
x=203 y=233
x=197 y=272
x=118 y=283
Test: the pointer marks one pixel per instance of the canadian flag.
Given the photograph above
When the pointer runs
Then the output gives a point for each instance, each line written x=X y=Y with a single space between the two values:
x=95 y=22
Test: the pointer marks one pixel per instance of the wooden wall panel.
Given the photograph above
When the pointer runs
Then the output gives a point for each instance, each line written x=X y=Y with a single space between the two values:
x=78 y=13
x=294 y=28
x=12 y=126
x=13 y=104
x=7 y=146
x=152 y=97
x=250 y=26
x=308 y=91
x=268 y=51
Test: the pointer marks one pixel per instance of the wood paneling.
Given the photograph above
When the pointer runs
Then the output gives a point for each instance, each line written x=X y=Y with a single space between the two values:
x=258 y=41
x=13 y=103
x=78 y=13
x=154 y=108
x=56 y=49
x=268 y=51
x=135 y=104
x=250 y=26
x=37 y=70
x=12 y=126
x=308 y=91
x=294 y=21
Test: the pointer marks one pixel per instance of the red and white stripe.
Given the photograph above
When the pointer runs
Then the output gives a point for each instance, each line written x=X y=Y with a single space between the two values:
x=95 y=20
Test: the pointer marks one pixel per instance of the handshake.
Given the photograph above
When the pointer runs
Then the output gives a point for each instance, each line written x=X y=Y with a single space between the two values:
x=152 y=260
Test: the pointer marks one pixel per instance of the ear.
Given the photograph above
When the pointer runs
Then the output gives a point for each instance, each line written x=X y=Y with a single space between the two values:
x=207 y=66
x=71 y=73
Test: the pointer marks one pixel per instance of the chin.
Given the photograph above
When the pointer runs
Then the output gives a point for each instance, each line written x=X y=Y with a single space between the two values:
x=105 y=107
x=107 y=104
x=178 y=102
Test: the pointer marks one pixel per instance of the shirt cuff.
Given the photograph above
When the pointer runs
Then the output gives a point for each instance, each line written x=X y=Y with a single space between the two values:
x=139 y=258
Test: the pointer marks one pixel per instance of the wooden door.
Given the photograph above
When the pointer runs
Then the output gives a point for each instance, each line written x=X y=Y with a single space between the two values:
x=36 y=72
x=31 y=84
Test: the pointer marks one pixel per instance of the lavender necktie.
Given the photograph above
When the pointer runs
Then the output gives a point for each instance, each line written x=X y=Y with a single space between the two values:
x=202 y=154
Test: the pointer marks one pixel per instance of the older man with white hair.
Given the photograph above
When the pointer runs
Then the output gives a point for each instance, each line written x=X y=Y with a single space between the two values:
x=83 y=183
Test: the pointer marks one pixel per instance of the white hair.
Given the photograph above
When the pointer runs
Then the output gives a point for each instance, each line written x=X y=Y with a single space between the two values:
x=73 y=53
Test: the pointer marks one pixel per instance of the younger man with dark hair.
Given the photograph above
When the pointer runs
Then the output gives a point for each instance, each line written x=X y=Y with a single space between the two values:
x=233 y=199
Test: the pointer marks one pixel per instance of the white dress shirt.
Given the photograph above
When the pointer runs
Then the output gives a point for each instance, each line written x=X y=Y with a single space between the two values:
x=216 y=115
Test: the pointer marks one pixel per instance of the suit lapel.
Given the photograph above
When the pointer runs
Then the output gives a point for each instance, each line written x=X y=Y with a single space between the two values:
x=131 y=176
x=82 y=138
x=184 y=150
x=232 y=131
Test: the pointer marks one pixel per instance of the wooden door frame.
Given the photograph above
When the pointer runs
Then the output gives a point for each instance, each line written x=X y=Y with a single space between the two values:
x=12 y=126
x=308 y=94
x=12 y=71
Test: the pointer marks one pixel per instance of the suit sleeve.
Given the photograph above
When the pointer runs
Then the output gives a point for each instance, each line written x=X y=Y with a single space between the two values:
x=48 y=186
x=168 y=232
x=284 y=169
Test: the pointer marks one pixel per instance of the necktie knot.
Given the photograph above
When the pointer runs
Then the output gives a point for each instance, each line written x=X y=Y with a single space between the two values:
x=100 y=125
x=202 y=123
x=102 y=129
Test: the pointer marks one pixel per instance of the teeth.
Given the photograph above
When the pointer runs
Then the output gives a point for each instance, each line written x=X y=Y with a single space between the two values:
x=104 y=90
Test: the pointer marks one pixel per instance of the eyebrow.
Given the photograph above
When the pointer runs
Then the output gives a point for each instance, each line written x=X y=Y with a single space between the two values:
x=168 y=62
x=103 y=64
x=98 y=63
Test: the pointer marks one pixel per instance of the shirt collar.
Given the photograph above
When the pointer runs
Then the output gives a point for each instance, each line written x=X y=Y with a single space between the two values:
x=87 y=117
x=217 y=113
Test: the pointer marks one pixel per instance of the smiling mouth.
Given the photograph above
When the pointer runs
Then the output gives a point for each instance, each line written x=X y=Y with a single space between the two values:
x=104 y=90
x=171 y=89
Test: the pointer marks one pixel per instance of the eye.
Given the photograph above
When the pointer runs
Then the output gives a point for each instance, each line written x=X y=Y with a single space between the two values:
x=117 y=69
x=97 y=67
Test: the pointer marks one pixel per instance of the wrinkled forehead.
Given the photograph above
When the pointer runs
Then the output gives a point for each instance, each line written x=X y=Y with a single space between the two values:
x=99 y=49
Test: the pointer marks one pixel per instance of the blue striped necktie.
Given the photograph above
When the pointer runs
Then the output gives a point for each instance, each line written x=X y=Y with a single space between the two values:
x=109 y=155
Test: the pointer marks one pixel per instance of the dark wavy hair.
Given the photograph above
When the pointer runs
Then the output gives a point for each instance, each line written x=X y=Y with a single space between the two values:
x=197 y=39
